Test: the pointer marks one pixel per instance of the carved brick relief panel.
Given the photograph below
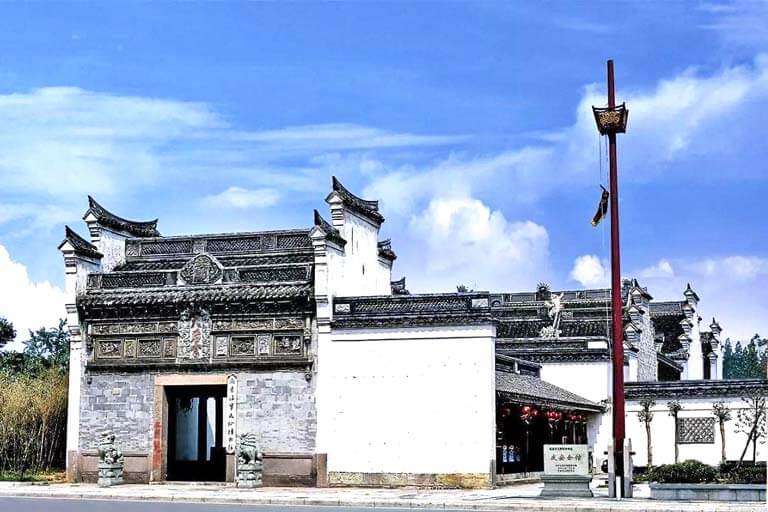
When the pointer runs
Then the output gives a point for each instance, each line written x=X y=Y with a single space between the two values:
x=109 y=349
x=288 y=344
x=242 y=346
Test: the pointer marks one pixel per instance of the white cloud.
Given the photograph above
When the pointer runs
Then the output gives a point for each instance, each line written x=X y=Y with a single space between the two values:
x=661 y=269
x=589 y=271
x=27 y=304
x=468 y=243
x=686 y=118
x=739 y=23
x=334 y=136
x=58 y=144
x=731 y=288
x=740 y=268
x=243 y=198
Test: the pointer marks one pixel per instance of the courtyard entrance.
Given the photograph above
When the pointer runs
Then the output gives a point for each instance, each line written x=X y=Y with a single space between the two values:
x=196 y=450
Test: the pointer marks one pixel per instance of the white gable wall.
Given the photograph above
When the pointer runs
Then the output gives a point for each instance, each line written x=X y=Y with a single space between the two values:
x=401 y=405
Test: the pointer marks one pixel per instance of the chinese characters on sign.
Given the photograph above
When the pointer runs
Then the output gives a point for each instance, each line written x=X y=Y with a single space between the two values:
x=566 y=459
x=230 y=414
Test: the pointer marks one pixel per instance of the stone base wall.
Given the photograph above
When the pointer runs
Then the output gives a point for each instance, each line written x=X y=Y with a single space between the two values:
x=432 y=480
x=120 y=402
x=708 y=492
x=277 y=406
x=289 y=469
x=136 y=469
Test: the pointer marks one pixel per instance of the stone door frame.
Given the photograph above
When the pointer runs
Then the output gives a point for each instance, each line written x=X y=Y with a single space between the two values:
x=159 y=456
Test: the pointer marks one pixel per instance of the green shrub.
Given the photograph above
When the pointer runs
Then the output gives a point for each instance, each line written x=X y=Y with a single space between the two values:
x=688 y=472
x=745 y=475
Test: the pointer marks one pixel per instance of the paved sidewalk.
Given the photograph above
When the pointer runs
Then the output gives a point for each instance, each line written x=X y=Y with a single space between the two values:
x=522 y=497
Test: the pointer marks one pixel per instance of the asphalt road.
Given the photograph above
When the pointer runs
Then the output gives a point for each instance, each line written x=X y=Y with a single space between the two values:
x=70 y=505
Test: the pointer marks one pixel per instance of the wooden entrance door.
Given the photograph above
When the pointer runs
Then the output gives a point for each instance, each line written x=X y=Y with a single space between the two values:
x=195 y=432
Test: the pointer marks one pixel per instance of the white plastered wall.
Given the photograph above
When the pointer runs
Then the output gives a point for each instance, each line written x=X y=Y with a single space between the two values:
x=410 y=400
x=663 y=433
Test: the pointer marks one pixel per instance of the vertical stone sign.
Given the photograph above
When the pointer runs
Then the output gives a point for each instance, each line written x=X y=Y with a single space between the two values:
x=230 y=415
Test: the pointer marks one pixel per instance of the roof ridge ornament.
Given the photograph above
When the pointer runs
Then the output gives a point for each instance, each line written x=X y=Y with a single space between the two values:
x=109 y=219
x=385 y=249
x=331 y=233
x=366 y=207
x=79 y=244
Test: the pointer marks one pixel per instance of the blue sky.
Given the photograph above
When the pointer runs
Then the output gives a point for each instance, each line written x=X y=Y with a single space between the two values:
x=469 y=121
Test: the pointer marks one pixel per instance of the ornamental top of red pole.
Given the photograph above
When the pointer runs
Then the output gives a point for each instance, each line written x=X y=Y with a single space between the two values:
x=611 y=119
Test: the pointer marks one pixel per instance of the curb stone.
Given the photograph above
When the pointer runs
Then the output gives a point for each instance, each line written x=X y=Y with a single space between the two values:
x=519 y=504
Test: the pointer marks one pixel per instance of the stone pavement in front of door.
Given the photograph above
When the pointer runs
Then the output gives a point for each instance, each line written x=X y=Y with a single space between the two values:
x=520 y=497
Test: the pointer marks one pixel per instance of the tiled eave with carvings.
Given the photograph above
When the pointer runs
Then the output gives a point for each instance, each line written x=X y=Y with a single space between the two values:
x=543 y=350
x=665 y=359
x=411 y=310
x=217 y=293
x=695 y=389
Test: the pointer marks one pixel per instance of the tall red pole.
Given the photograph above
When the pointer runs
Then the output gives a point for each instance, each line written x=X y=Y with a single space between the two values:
x=617 y=303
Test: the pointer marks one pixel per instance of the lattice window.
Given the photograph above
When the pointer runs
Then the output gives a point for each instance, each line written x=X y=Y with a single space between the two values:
x=217 y=245
x=274 y=274
x=167 y=247
x=133 y=280
x=696 y=430
x=293 y=241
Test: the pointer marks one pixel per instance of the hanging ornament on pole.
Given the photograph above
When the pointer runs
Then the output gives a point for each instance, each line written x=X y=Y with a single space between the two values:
x=602 y=208
x=610 y=121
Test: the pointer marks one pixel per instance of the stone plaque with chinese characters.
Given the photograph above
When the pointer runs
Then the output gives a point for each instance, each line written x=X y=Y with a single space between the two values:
x=230 y=415
x=566 y=459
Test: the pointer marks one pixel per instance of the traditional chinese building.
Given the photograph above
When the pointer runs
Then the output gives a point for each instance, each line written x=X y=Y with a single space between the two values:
x=301 y=339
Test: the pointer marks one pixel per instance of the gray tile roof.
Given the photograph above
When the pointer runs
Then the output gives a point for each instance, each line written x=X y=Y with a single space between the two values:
x=695 y=388
x=526 y=388
x=364 y=207
x=331 y=233
x=107 y=218
x=206 y=293
x=385 y=250
x=411 y=310
x=80 y=244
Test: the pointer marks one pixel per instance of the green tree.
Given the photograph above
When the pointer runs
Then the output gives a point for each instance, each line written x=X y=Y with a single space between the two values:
x=50 y=346
x=728 y=359
x=737 y=368
x=751 y=360
x=7 y=332
x=722 y=412
x=674 y=408
x=752 y=421
x=645 y=415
